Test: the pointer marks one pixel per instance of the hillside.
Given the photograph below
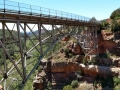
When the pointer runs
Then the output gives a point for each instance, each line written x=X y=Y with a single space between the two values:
x=8 y=35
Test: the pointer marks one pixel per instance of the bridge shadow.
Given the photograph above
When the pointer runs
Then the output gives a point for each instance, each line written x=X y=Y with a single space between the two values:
x=105 y=82
x=105 y=79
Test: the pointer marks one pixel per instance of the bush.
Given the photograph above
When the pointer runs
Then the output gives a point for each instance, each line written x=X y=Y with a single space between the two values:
x=66 y=52
x=39 y=68
x=68 y=87
x=91 y=62
x=119 y=85
x=74 y=83
x=115 y=14
x=115 y=26
x=104 y=25
x=84 y=61
x=116 y=81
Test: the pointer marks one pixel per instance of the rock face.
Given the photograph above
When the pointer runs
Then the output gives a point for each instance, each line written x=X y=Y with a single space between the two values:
x=107 y=35
x=39 y=80
x=104 y=61
x=91 y=70
x=104 y=44
x=64 y=71
x=75 y=48
x=79 y=58
x=63 y=67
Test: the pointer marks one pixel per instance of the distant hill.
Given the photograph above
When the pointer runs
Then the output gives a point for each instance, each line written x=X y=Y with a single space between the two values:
x=36 y=32
x=7 y=34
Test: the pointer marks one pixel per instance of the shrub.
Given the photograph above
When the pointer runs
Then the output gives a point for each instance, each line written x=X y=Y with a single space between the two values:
x=70 y=55
x=39 y=68
x=67 y=52
x=91 y=62
x=115 y=26
x=74 y=83
x=116 y=81
x=108 y=54
x=68 y=87
x=95 y=84
x=119 y=86
x=84 y=61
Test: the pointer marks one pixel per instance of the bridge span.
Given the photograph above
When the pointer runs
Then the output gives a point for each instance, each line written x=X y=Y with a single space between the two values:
x=23 y=17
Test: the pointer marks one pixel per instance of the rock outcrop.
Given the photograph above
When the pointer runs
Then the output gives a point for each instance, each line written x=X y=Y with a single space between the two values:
x=39 y=80
x=75 y=48
x=93 y=70
x=104 y=44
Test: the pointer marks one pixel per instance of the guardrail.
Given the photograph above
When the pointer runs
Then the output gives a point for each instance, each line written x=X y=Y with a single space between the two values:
x=12 y=7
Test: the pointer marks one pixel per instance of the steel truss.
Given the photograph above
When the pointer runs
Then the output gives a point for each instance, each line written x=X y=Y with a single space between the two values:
x=50 y=36
x=15 y=70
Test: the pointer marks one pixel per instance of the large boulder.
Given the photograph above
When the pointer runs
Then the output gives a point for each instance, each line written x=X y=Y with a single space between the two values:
x=94 y=70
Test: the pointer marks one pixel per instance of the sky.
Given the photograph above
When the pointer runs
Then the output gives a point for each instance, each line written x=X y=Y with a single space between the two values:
x=100 y=9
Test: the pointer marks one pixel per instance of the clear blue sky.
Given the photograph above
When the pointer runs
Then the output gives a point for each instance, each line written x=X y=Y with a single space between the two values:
x=101 y=9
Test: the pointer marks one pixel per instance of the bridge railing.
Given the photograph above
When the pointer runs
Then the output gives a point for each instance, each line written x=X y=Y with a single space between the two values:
x=11 y=7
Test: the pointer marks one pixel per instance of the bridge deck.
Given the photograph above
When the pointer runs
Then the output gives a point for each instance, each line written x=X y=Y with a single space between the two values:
x=28 y=17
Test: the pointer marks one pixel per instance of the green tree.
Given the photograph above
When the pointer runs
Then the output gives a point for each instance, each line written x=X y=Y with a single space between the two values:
x=115 y=14
x=115 y=26
x=104 y=24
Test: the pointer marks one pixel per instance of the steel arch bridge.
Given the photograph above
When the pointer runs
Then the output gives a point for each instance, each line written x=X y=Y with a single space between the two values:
x=21 y=17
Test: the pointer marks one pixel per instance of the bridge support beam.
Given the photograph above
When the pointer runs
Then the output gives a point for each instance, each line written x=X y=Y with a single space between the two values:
x=38 y=42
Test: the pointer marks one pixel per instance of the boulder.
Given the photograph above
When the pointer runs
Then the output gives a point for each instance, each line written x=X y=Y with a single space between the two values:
x=61 y=50
x=79 y=58
x=93 y=70
x=76 y=49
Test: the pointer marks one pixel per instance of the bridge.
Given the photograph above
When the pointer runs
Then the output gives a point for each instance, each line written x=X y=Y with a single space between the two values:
x=23 y=18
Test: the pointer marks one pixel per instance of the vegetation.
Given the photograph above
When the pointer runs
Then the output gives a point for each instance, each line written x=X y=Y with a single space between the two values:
x=104 y=25
x=74 y=84
x=68 y=87
x=115 y=14
x=104 y=81
x=115 y=26
x=49 y=86
x=84 y=61
x=92 y=62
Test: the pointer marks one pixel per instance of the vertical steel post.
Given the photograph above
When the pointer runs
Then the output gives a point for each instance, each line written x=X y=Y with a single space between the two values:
x=40 y=40
x=53 y=32
x=4 y=7
x=19 y=7
x=4 y=4
x=96 y=41
x=25 y=40
x=21 y=51
x=5 y=65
